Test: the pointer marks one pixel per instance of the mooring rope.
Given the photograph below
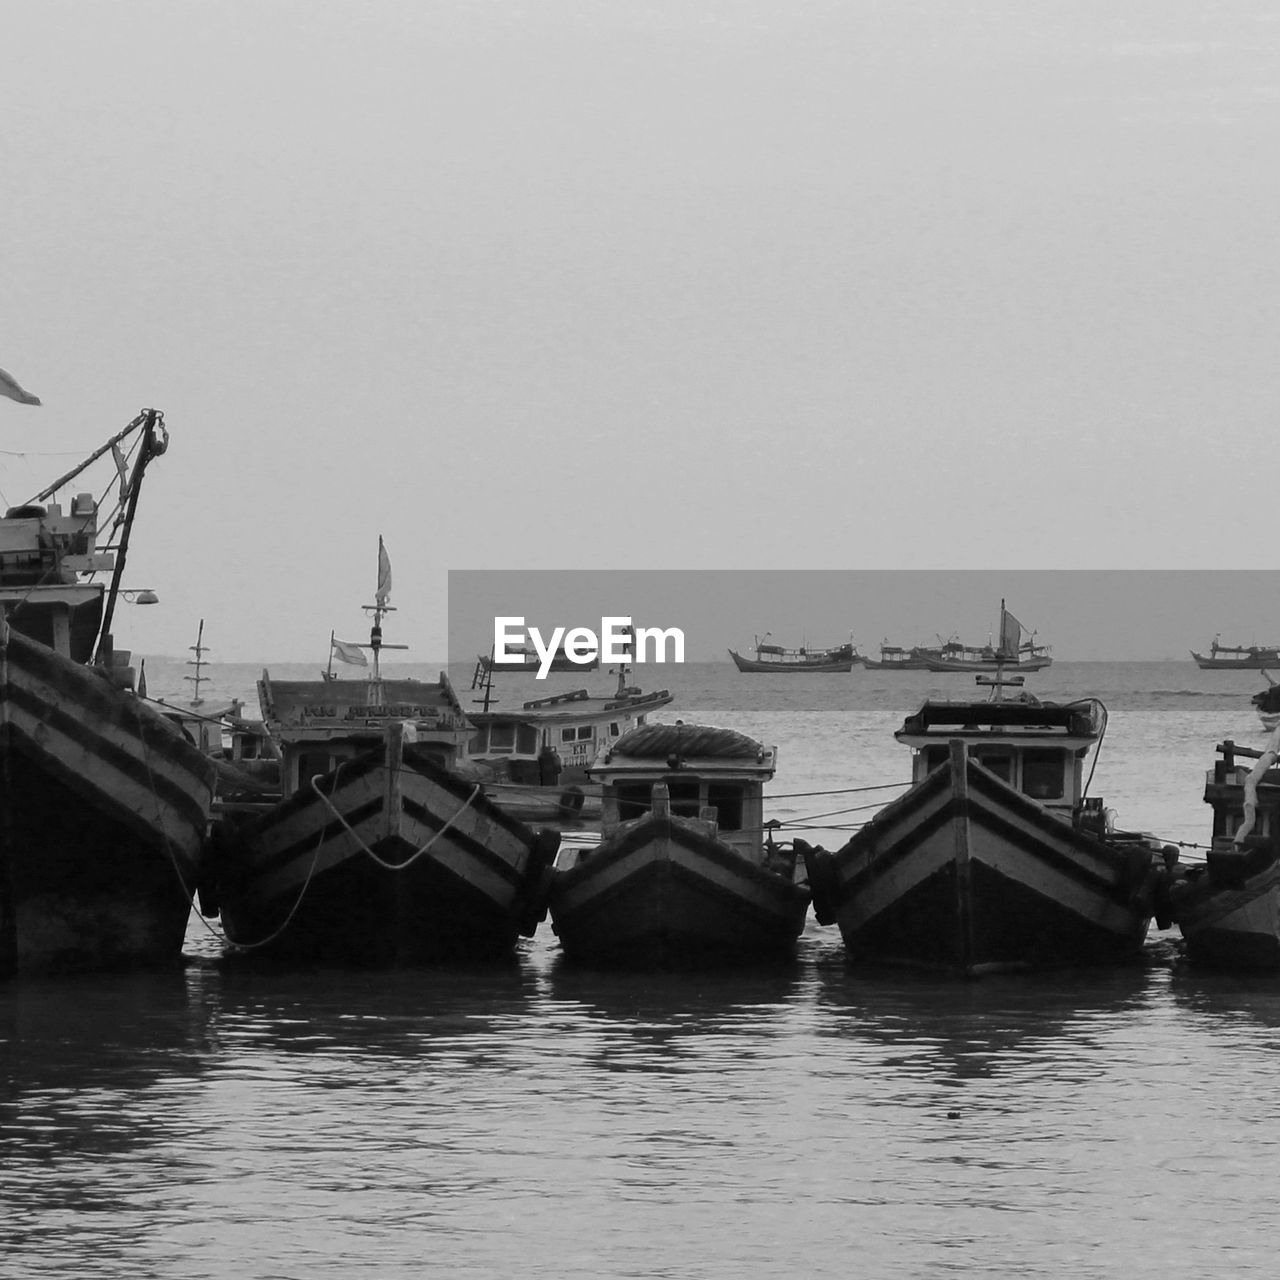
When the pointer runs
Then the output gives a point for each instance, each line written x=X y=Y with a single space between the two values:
x=413 y=857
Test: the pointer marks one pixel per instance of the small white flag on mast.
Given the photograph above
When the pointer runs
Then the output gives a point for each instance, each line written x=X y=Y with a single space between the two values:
x=346 y=651
x=383 y=594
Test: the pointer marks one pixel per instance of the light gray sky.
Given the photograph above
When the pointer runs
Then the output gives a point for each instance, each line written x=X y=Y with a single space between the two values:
x=643 y=283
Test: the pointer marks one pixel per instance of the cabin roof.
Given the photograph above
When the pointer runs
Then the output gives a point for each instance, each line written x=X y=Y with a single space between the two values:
x=937 y=719
x=572 y=707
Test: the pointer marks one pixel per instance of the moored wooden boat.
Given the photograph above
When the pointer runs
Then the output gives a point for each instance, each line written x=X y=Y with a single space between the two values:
x=773 y=657
x=994 y=858
x=103 y=803
x=379 y=853
x=1228 y=910
x=682 y=874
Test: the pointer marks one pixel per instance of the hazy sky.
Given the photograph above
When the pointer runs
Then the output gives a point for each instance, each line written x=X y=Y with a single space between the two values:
x=657 y=284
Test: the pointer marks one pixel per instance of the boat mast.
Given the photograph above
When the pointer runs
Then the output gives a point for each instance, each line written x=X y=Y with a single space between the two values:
x=380 y=606
x=199 y=650
x=148 y=449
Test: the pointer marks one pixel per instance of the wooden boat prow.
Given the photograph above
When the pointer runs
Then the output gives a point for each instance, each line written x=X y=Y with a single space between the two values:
x=994 y=858
x=683 y=873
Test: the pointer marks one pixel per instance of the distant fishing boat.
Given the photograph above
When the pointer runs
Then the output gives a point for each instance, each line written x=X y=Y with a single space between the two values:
x=1227 y=657
x=1011 y=653
x=379 y=853
x=104 y=803
x=773 y=657
x=895 y=658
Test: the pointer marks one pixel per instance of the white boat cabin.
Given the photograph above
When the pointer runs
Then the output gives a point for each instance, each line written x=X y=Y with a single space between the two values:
x=318 y=724
x=717 y=777
x=44 y=555
x=574 y=727
x=1038 y=748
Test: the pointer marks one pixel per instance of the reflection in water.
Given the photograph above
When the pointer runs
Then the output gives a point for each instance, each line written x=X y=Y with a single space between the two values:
x=540 y=1120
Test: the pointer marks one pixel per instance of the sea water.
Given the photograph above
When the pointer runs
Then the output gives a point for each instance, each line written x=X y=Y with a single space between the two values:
x=531 y=1119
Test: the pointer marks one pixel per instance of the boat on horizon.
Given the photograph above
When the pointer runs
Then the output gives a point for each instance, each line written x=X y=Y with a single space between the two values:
x=381 y=852
x=774 y=657
x=1228 y=657
x=1015 y=650
x=105 y=803
x=895 y=658
x=684 y=873
x=995 y=858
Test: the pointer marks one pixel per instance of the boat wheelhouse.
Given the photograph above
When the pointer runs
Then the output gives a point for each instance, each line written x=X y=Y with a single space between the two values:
x=684 y=872
x=895 y=658
x=535 y=758
x=995 y=858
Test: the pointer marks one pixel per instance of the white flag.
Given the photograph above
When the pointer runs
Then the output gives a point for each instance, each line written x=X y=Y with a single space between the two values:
x=124 y=473
x=345 y=651
x=9 y=387
x=383 y=593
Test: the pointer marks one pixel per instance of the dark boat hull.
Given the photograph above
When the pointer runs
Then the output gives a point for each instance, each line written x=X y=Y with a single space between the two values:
x=103 y=817
x=965 y=874
x=664 y=893
x=1264 y=661
x=388 y=860
x=1229 y=916
x=980 y=666
x=756 y=664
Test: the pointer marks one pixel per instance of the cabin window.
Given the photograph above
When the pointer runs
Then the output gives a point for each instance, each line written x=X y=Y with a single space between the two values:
x=584 y=732
x=567 y=735
x=526 y=740
x=479 y=744
x=1043 y=774
x=727 y=799
x=634 y=799
x=613 y=729
x=686 y=796
x=998 y=762
x=502 y=738
x=639 y=719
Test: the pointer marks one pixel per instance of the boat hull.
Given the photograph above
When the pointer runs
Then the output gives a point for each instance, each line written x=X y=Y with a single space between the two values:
x=1266 y=661
x=663 y=892
x=965 y=874
x=103 y=819
x=389 y=859
x=1229 y=915
x=984 y=666
x=756 y=664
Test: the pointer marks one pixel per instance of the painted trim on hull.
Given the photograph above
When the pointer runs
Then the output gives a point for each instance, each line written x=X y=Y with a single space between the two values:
x=963 y=817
